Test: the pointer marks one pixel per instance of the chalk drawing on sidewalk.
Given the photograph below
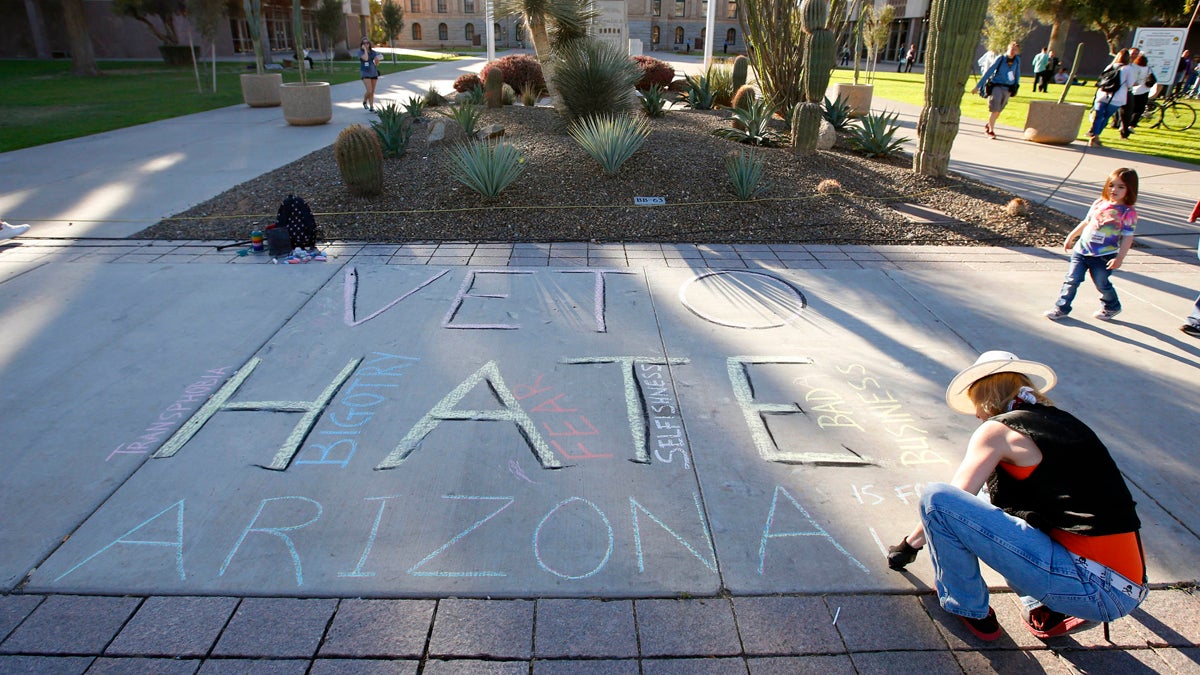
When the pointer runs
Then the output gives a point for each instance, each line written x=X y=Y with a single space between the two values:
x=166 y=420
x=280 y=532
x=777 y=301
x=350 y=297
x=816 y=531
x=413 y=570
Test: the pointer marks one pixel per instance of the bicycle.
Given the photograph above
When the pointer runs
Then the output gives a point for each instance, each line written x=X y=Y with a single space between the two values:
x=1170 y=113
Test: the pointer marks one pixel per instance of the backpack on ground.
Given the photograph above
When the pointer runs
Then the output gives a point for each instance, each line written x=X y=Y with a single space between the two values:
x=295 y=216
x=1109 y=80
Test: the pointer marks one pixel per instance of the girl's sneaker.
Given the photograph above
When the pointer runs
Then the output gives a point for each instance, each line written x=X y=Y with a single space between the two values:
x=1055 y=314
x=1106 y=314
x=9 y=231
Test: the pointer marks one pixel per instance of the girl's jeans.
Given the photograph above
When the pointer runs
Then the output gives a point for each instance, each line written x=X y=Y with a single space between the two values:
x=1097 y=265
x=1104 y=111
x=962 y=530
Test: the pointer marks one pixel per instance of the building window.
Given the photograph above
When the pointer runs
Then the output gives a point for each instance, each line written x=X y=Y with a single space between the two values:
x=656 y=8
x=498 y=33
x=731 y=36
x=416 y=31
x=519 y=34
x=441 y=6
x=468 y=6
x=443 y=32
x=680 y=5
x=655 y=34
x=679 y=35
x=414 y=5
x=731 y=10
x=469 y=32
x=703 y=7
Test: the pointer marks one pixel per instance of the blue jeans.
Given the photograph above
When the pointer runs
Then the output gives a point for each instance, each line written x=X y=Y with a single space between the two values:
x=1104 y=112
x=1097 y=265
x=961 y=530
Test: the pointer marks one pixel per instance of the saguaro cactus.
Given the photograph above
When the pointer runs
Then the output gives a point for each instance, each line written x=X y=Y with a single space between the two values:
x=818 y=63
x=954 y=27
x=493 y=87
x=360 y=160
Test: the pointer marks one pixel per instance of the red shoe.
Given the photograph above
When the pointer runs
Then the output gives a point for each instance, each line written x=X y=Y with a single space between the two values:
x=1045 y=623
x=986 y=629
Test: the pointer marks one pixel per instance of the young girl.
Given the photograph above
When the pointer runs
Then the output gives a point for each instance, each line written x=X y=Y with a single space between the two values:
x=368 y=70
x=1104 y=237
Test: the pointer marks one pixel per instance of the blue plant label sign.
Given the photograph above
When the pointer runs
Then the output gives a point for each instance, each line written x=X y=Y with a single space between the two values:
x=649 y=201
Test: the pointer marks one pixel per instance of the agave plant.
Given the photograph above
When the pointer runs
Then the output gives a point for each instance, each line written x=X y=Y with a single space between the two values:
x=745 y=170
x=486 y=168
x=836 y=112
x=466 y=114
x=476 y=96
x=720 y=81
x=753 y=124
x=610 y=139
x=653 y=102
x=414 y=107
x=699 y=94
x=394 y=127
x=875 y=136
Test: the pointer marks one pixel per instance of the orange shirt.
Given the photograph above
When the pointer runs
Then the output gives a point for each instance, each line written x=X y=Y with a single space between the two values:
x=1118 y=552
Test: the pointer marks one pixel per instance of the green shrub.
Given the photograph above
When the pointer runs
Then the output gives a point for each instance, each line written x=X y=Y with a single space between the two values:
x=698 y=93
x=720 y=81
x=752 y=124
x=393 y=128
x=414 y=107
x=610 y=139
x=466 y=114
x=745 y=171
x=654 y=72
x=592 y=78
x=836 y=112
x=434 y=98
x=476 y=96
x=875 y=135
x=653 y=102
x=486 y=168
x=521 y=71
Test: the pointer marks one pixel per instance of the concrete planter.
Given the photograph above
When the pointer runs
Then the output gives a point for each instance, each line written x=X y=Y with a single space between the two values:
x=1054 y=123
x=306 y=104
x=857 y=97
x=261 y=91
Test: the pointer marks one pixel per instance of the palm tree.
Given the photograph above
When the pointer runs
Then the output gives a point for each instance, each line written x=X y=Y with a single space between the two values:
x=568 y=18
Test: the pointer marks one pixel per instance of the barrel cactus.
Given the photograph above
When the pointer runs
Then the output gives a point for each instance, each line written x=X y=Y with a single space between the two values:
x=806 y=128
x=741 y=69
x=741 y=98
x=954 y=27
x=360 y=160
x=493 y=87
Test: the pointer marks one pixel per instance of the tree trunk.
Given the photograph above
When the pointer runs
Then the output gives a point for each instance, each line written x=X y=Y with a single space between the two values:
x=37 y=28
x=541 y=49
x=83 y=58
x=954 y=27
x=1058 y=32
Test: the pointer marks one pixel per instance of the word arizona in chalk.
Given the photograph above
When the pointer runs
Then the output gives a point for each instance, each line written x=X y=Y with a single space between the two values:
x=573 y=540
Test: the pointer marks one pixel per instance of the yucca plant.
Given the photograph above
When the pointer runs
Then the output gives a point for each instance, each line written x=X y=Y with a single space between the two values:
x=754 y=122
x=653 y=102
x=836 y=112
x=433 y=98
x=487 y=168
x=530 y=94
x=466 y=114
x=592 y=77
x=393 y=127
x=875 y=135
x=745 y=170
x=610 y=139
x=699 y=94
x=414 y=107
x=477 y=96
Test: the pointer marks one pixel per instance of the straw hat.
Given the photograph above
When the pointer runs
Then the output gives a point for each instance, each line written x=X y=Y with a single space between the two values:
x=989 y=363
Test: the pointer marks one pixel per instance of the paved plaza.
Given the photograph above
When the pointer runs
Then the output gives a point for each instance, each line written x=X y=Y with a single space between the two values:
x=552 y=457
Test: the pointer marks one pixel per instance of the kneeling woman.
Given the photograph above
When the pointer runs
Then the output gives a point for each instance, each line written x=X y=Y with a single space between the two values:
x=1061 y=526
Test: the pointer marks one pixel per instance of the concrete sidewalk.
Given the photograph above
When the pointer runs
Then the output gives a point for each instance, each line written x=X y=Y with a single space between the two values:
x=538 y=458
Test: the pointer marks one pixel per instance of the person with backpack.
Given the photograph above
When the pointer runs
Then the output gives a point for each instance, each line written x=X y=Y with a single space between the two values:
x=1000 y=81
x=1112 y=90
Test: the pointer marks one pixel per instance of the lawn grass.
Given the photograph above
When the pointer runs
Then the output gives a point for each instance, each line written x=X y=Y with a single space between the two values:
x=43 y=102
x=1183 y=146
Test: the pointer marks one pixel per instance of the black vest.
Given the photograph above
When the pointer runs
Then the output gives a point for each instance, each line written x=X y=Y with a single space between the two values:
x=1076 y=488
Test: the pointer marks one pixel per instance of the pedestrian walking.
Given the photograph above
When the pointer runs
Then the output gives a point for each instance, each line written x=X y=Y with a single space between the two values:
x=1041 y=62
x=1000 y=80
x=1192 y=325
x=1112 y=90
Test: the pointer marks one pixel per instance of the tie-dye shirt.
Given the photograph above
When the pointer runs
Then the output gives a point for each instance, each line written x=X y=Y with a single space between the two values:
x=1106 y=224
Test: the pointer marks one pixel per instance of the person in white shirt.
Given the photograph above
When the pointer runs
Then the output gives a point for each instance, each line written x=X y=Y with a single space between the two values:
x=1108 y=103
x=1139 y=95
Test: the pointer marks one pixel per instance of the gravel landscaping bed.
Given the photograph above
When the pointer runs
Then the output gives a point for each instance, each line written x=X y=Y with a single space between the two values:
x=564 y=196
